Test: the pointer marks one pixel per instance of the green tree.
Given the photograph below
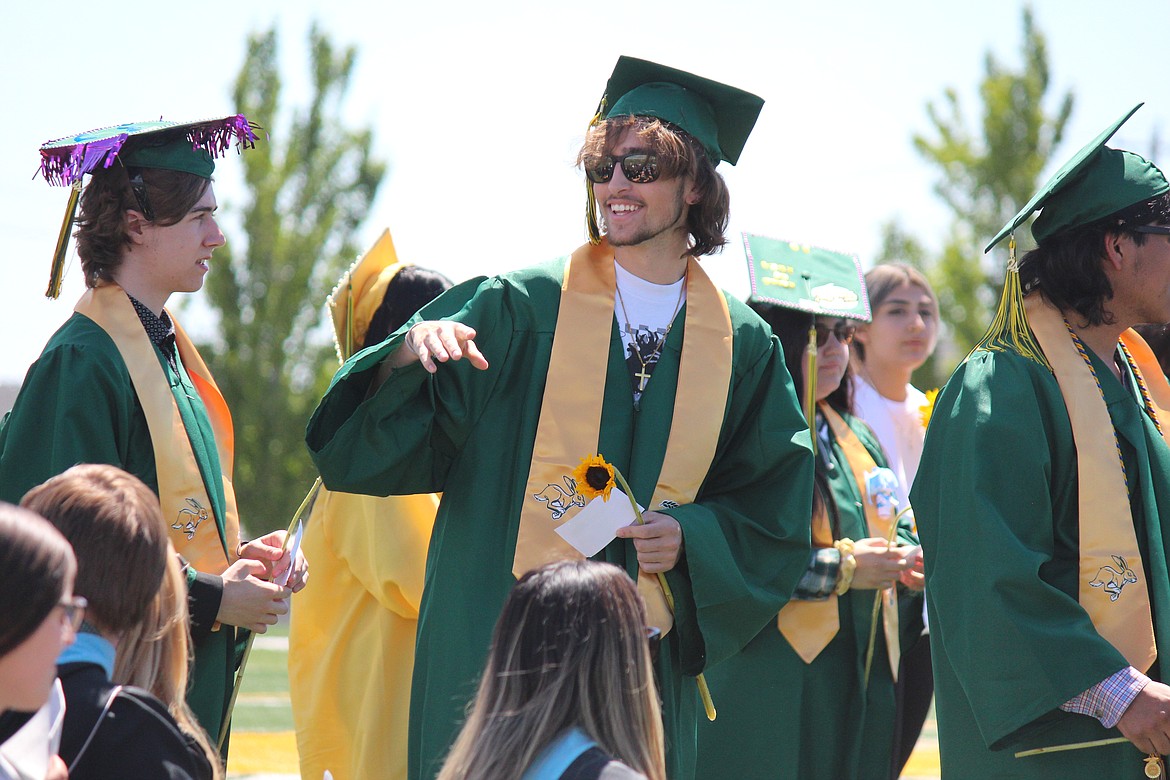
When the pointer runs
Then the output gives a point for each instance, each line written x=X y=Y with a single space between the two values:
x=310 y=183
x=986 y=176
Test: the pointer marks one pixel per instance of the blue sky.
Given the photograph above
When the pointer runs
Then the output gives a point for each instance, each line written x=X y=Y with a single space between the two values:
x=479 y=109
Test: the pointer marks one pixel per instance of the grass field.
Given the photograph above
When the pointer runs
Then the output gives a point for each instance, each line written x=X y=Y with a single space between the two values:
x=264 y=746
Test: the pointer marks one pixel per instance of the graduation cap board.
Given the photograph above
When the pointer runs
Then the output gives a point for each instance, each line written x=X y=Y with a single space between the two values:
x=188 y=147
x=806 y=278
x=1096 y=182
x=718 y=116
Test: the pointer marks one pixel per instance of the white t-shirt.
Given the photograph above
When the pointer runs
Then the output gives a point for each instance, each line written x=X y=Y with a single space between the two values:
x=898 y=427
x=650 y=309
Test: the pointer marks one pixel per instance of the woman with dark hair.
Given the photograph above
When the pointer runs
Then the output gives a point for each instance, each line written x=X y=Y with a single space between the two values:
x=351 y=637
x=808 y=698
x=39 y=616
x=886 y=352
x=568 y=692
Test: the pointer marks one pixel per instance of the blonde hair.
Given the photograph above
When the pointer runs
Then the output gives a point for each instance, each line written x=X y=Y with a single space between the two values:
x=569 y=650
x=155 y=654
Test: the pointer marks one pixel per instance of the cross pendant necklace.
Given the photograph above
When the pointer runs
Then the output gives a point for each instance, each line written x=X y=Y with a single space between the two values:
x=644 y=375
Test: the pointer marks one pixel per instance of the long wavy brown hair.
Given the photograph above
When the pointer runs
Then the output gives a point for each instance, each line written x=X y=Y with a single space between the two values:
x=569 y=650
x=679 y=154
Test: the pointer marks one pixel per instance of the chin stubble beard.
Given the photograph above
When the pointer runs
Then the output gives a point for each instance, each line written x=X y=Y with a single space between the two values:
x=650 y=231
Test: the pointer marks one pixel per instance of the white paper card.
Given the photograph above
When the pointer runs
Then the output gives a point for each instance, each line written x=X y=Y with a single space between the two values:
x=293 y=547
x=596 y=525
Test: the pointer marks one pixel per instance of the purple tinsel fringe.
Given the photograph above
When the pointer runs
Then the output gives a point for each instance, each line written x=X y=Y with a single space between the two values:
x=63 y=165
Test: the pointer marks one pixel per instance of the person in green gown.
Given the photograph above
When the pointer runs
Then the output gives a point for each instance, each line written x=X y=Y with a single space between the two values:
x=1043 y=499
x=500 y=387
x=120 y=383
x=798 y=701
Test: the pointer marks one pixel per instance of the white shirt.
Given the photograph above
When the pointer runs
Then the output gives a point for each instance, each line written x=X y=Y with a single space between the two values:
x=644 y=313
x=898 y=427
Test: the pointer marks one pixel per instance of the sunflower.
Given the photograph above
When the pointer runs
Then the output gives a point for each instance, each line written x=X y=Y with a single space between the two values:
x=594 y=477
x=927 y=408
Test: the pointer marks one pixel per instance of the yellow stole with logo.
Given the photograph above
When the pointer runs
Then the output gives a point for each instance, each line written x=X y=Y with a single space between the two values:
x=1112 y=587
x=570 y=412
x=809 y=626
x=186 y=505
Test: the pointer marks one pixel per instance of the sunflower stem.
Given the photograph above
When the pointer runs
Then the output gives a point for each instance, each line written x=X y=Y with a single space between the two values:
x=700 y=680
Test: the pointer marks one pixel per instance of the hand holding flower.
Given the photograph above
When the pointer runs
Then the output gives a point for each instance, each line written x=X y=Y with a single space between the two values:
x=658 y=540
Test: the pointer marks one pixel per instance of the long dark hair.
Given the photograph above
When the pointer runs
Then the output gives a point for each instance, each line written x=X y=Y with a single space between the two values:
x=409 y=290
x=791 y=327
x=36 y=564
x=678 y=154
x=1067 y=268
x=569 y=649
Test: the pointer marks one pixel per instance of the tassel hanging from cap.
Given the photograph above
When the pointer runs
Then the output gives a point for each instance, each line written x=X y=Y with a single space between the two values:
x=592 y=224
x=57 y=270
x=810 y=383
x=1009 y=329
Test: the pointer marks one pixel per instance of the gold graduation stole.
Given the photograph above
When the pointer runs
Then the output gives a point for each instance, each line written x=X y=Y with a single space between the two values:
x=570 y=412
x=186 y=506
x=813 y=617
x=809 y=626
x=879 y=525
x=1112 y=586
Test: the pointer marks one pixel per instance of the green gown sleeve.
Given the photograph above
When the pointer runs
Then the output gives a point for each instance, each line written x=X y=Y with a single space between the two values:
x=996 y=505
x=746 y=536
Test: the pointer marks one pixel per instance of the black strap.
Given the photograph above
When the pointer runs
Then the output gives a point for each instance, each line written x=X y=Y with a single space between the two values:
x=588 y=765
x=97 y=725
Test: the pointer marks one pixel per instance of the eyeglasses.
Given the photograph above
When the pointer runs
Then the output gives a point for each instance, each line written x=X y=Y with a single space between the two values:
x=653 y=640
x=842 y=330
x=637 y=167
x=74 y=611
x=1157 y=230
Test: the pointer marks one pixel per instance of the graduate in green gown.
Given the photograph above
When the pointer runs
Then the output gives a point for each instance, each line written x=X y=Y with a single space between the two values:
x=796 y=702
x=120 y=382
x=1043 y=499
x=499 y=388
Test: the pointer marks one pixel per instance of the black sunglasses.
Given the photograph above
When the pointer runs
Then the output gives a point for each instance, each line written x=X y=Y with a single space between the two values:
x=637 y=167
x=842 y=330
x=1158 y=230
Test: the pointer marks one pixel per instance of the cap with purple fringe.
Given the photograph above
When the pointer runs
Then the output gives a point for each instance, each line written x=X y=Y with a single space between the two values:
x=188 y=147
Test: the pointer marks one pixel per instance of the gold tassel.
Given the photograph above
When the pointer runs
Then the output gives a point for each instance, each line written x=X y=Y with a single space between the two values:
x=810 y=383
x=57 y=271
x=1009 y=329
x=592 y=224
x=348 y=318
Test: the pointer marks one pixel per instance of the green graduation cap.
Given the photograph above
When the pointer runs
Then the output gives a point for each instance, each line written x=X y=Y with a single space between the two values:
x=806 y=278
x=1096 y=182
x=718 y=116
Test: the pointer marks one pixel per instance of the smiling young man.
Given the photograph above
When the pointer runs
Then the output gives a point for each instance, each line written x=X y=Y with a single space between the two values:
x=1043 y=501
x=120 y=383
x=498 y=389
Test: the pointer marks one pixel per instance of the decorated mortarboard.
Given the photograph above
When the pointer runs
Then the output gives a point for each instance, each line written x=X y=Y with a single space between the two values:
x=359 y=293
x=819 y=282
x=806 y=278
x=1096 y=182
x=720 y=117
x=188 y=147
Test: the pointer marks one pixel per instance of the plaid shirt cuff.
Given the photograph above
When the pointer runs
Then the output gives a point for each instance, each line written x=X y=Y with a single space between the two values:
x=1108 y=700
x=820 y=579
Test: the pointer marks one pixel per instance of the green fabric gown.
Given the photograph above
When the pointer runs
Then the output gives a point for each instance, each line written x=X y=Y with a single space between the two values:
x=78 y=405
x=469 y=434
x=782 y=718
x=996 y=503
